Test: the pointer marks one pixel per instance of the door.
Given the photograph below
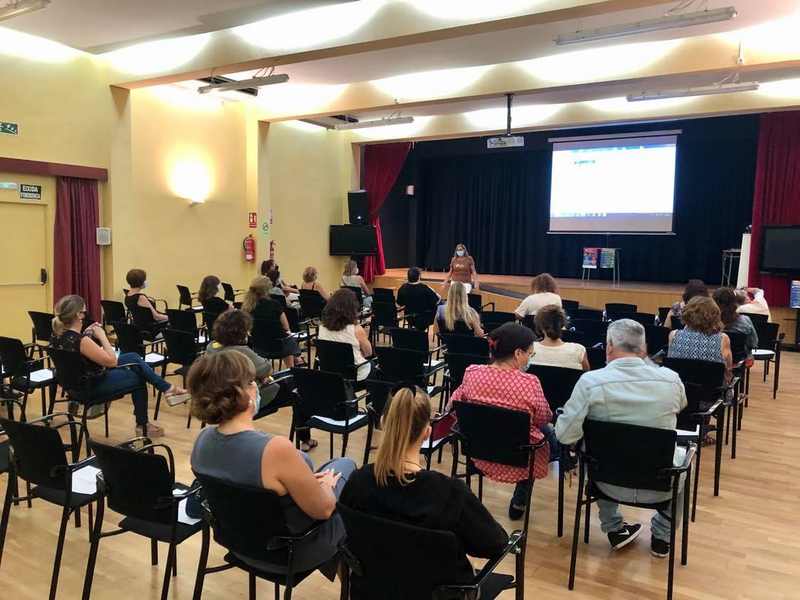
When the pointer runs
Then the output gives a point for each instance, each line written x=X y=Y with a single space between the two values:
x=23 y=260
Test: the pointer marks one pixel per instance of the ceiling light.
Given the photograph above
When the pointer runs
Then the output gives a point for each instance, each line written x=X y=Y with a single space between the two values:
x=16 y=8
x=706 y=90
x=375 y=123
x=700 y=17
x=253 y=82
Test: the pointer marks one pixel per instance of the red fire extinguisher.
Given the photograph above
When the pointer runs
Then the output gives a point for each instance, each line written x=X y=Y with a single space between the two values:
x=272 y=249
x=249 y=247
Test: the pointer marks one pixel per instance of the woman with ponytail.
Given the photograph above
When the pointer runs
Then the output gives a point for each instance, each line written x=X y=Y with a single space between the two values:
x=100 y=360
x=396 y=487
x=506 y=384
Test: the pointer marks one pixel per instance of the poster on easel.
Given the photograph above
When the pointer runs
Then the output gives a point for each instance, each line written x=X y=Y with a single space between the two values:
x=794 y=296
x=590 y=258
x=608 y=258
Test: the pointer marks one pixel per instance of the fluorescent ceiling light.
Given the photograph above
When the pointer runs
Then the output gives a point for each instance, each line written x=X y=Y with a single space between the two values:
x=375 y=123
x=20 y=7
x=700 y=17
x=253 y=82
x=706 y=90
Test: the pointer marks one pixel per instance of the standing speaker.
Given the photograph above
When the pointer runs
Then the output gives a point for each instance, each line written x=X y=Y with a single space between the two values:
x=357 y=204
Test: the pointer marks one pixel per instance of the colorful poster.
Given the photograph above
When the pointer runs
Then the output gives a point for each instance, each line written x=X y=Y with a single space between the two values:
x=590 y=258
x=608 y=258
x=794 y=298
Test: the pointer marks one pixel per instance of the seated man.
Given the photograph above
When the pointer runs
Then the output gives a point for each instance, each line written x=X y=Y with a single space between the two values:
x=753 y=302
x=631 y=390
x=417 y=298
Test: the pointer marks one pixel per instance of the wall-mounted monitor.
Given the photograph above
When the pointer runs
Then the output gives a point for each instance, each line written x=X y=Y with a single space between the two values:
x=780 y=249
x=353 y=240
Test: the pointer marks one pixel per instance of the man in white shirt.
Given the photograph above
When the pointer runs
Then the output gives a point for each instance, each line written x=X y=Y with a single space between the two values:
x=754 y=302
x=630 y=389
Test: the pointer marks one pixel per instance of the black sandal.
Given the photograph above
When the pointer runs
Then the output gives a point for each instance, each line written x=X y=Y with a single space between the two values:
x=309 y=445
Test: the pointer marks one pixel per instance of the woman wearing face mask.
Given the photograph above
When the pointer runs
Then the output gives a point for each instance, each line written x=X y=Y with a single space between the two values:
x=504 y=383
x=462 y=269
x=351 y=278
x=137 y=279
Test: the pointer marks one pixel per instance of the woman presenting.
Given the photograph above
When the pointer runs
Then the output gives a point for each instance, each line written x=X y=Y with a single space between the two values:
x=462 y=268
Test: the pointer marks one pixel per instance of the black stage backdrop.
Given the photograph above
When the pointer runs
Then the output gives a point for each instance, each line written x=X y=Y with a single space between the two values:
x=497 y=203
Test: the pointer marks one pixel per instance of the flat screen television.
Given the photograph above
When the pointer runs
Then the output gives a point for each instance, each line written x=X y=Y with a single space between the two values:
x=780 y=249
x=353 y=240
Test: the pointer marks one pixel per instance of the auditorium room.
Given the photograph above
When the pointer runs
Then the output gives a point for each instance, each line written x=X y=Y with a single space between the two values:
x=399 y=299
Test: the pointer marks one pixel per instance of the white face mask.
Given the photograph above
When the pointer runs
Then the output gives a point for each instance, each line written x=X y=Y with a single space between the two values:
x=459 y=253
x=355 y=271
x=144 y=285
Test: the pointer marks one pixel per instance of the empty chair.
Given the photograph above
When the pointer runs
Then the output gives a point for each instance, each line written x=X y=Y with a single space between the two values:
x=587 y=314
x=184 y=320
x=113 y=312
x=769 y=350
x=311 y=304
x=569 y=306
x=475 y=302
x=186 y=298
x=620 y=307
x=180 y=349
x=42 y=327
x=25 y=374
x=456 y=366
x=493 y=319
x=401 y=365
x=466 y=344
x=383 y=295
x=151 y=329
x=657 y=338
x=645 y=319
x=384 y=318
x=592 y=331
x=229 y=294
x=413 y=339
x=663 y=311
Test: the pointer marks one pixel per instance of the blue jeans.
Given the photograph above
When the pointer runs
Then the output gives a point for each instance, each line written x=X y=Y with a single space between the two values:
x=118 y=381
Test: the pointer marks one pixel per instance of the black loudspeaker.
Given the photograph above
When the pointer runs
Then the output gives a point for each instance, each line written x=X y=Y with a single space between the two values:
x=357 y=204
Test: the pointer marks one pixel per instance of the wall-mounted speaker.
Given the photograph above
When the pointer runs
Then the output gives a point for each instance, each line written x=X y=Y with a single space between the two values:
x=357 y=204
x=103 y=235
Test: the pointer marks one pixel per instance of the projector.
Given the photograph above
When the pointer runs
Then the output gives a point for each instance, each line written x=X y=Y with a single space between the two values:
x=507 y=141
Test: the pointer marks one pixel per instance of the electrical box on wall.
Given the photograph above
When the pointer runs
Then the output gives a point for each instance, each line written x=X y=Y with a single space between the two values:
x=103 y=236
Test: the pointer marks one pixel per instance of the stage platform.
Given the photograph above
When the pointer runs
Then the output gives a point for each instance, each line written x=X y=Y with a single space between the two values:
x=508 y=290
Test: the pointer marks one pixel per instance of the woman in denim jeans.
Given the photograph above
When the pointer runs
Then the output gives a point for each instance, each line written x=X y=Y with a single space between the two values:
x=101 y=360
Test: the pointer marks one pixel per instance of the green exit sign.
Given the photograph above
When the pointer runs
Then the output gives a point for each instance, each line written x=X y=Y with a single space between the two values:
x=9 y=128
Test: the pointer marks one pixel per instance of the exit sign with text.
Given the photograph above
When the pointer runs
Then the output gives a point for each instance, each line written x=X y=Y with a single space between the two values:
x=9 y=128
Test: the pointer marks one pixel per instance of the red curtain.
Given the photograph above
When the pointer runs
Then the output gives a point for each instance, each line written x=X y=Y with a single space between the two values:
x=77 y=256
x=777 y=193
x=382 y=165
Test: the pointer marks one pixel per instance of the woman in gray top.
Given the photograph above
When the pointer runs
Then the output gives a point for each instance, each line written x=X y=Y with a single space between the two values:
x=732 y=321
x=226 y=395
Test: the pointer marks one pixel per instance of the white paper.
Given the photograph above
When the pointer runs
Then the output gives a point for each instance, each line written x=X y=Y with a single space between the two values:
x=41 y=375
x=436 y=362
x=84 y=480
x=330 y=421
x=182 y=516
x=153 y=357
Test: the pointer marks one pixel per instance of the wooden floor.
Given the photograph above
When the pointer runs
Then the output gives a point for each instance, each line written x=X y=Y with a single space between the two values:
x=745 y=543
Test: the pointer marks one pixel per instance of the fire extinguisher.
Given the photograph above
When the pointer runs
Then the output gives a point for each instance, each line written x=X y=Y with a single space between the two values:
x=249 y=247
x=272 y=250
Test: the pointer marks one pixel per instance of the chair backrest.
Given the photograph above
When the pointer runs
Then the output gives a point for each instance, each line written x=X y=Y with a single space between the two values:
x=137 y=483
x=336 y=357
x=244 y=519
x=767 y=335
x=421 y=320
x=181 y=346
x=620 y=307
x=460 y=328
x=569 y=306
x=589 y=314
x=228 y=292
x=280 y=299
x=410 y=339
x=629 y=455
x=70 y=370
x=12 y=357
x=209 y=318
x=429 y=558
x=402 y=365
x=698 y=398
x=383 y=295
x=457 y=364
x=311 y=303
x=475 y=301
x=184 y=295
x=494 y=434
x=738 y=345
x=42 y=325
x=756 y=318
x=663 y=311
x=701 y=372
x=142 y=317
x=129 y=338
x=557 y=383
x=493 y=319
x=384 y=314
x=657 y=338
x=596 y=356
x=357 y=291
x=267 y=335
x=113 y=312
x=182 y=320
x=38 y=453
x=676 y=322
x=644 y=319
x=465 y=344
x=321 y=393
x=594 y=332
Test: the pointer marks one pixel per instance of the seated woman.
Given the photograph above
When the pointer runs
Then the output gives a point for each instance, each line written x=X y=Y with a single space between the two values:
x=552 y=350
x=310 y=282
x=208 y=296
x=456 y=315
x=544 y=293
x=701 y=337
x=351 y=278
x=340 y=324
x=225 y=394
x=269 y=321
x=270 y=266
x=100 y=360
x=462 y=269
x=137 y=279
x=504 y=383
x=694 y=288
x=732 y=321
x=397 y=488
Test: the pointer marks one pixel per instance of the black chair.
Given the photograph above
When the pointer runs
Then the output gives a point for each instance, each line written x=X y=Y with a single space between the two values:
x=139 y=484
x=657 y=338
x=400 y=365
x=325 y=399
x=130 y=339
x=588 y=314
x=25 y=374
x=151 y=329
x=113 y=312
x=596 y=355
x=337 y=357
x=38 y=457
x=229 y=292
x=557 y=385
x=757 y=318
x=376 y=546
x=383 y=295
x=569 y=306
x=42 y=328
x=676 y=323
x=492 y=319
x=644 y=319
x=476 y=302
x=270 y=340
x=456 y=367
x=636 y=457
x=497 y=435
x=250 y=524
x=620 y=307
x=769 y=350
x=186 y=320
x=311 y=304
x=358 y=292
x=384 y=317
x=78 y=384
x=186 y=298
x=593 y=331
x=663 y=311
x=413 y=339
x=180 y=348
x=465 y=344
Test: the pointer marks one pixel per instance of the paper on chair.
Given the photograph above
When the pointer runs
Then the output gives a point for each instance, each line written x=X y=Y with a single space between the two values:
x=84 y=480
x=182 y=516
x=41 y=375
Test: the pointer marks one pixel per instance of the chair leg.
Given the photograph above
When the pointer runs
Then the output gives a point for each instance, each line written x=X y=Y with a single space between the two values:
x=735 y=423
x=480 y=487
x=673 y=512
x=175 y=561
x=718 y=458
x=576 y=528
x=277 y=591
x=153 y=552
x=519 y=577
x=6 y=511
x=697 y=474
x=560 y=526
x=168 y=572
x=252 y=586
x=776 y=376
x=368 y=443
x=59 y=551
x=201 y=565
x=587 y=517
x=105 y=418
x=331 y=450
x=345 y=439
x=94 y=538
x=685 y=533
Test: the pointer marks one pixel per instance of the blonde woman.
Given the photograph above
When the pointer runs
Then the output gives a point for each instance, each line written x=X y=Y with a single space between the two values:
x=397 y=488
x=457 y=316
x=101 y=360
x=310 y=282
x=351 y=278
x=270 y=325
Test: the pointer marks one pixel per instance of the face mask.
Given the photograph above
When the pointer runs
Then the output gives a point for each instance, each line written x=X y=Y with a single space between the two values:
x=355 y=271
x=257 y=401
x=459 y=253
x=144 y=285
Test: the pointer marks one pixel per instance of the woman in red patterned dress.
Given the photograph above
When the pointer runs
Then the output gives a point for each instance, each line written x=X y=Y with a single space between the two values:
x=505 y=383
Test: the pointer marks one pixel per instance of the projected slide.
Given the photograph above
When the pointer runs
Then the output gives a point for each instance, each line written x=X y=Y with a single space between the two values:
x=613 y=185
